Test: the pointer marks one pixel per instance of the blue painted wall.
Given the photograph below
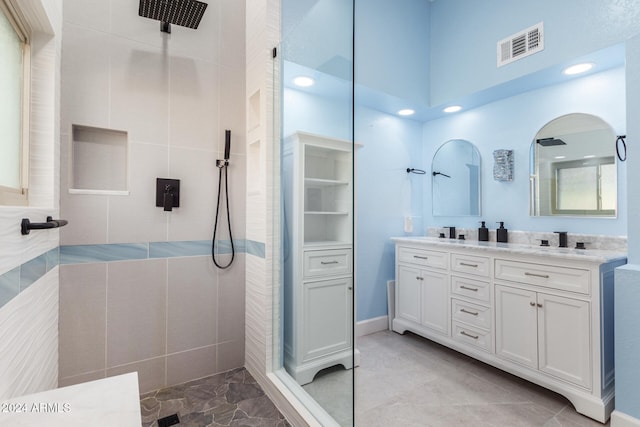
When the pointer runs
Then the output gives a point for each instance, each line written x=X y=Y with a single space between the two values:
x=464 y=35
x=392 y=48
x=627 y=295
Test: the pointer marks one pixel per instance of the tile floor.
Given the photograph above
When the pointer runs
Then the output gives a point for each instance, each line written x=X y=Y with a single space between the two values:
x=402 y=381
x=231 y=399
x=406 y=380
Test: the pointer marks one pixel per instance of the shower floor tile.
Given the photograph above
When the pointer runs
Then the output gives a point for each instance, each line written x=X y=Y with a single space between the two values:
x=231 y=398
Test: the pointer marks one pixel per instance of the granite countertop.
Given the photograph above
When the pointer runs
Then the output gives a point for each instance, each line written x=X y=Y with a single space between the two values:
x=591 y=255
x=108 y=402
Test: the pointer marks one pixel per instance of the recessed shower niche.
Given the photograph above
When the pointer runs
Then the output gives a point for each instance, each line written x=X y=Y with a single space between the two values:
x=98 y=161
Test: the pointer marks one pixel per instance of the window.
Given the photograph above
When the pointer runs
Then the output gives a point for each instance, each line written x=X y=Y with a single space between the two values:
x=14 y=107
x=585 y=186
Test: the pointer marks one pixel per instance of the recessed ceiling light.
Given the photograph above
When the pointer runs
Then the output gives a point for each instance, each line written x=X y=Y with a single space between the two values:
x=590 y=156
x=560 y=157
x=578 y=68
x=303 y=81
x=406 y=112
x=452 y=109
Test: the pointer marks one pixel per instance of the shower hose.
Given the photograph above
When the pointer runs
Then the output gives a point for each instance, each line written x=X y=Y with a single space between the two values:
x=222 y=165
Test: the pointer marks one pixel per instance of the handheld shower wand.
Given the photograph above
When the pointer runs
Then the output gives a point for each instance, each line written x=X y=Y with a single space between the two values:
x=222 y=165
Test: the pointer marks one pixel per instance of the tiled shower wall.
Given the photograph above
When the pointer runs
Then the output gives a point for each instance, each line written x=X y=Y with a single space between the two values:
x=28 y=264
x=137 y=288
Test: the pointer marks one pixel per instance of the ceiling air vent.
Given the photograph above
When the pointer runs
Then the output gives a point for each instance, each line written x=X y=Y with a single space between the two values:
x=520 y=45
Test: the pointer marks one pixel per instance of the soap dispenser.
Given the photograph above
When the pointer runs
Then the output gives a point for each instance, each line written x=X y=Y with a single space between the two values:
x=483 y=233
x=501 y=233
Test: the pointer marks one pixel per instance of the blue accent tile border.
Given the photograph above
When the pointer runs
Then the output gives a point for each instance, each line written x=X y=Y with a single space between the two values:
x=78 y=254
x=20 y=278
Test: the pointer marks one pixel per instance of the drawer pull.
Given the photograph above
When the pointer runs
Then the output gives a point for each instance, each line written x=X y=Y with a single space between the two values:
x=475 y=337
x=421 y=257
x=419 y=278
x=462 y=310
x=328 y=262
x=544 y=276
x=468 y=288
x=532 y=304
x=539 y=305
x=469 y=265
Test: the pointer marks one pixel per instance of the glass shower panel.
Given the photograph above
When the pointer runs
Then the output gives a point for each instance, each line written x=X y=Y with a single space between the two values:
x=314 y=346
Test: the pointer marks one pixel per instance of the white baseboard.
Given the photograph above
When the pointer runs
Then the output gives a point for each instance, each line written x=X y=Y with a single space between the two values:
x=620 y=419
x=371 y=326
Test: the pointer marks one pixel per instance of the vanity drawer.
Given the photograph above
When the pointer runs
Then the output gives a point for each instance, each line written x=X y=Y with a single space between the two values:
x=470 y=288
x=549 y=276
x=470 y=264
x=472 y=336
x=475 y=315
x=424 y=257
x=327 y=262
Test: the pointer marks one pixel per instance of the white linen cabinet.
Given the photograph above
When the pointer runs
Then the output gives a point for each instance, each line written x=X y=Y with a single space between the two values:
x=318 y=190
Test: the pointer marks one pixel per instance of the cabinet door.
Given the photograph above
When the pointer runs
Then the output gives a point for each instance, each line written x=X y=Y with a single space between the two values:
x=408 y=293
x=564 y=338
x=326 y=317
x=516 y=325
x=435 y=301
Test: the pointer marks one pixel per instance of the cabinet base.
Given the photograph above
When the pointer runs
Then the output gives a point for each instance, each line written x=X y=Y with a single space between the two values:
x=305 y=372
x=597 y=408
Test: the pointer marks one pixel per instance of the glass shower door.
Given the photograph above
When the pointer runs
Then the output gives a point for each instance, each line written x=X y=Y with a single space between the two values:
x=314 y=86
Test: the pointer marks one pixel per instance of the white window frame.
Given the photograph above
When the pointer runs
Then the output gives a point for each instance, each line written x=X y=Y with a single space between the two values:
x=19 y=196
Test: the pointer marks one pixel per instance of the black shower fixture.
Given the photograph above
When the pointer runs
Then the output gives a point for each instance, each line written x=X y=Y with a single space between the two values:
x=550 y=142
x=186 y=13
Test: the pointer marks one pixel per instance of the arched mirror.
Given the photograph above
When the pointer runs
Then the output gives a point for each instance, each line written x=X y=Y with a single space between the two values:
x=455 y=178
x=573 y=168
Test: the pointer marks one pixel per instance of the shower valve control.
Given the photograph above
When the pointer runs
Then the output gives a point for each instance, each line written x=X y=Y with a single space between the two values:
x=167 y=193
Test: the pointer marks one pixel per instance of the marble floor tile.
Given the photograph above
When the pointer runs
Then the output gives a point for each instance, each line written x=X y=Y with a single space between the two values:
x=231 y=399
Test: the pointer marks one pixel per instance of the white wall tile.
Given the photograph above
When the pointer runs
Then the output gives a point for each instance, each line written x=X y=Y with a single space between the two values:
x=193 y=107
x=190 y=365
x=82 y=378
x=232 y=41
x=232 y=108
x=136 y=311
x=149 y=224
x=31 y=317
x=192 y=304
x=87 y=216
x=85 y=78
x=139 y=91
x=151 y=373
x=230 y=355
x=83 y=296
x=197 y=172
x=231 y=293
x=92 y=14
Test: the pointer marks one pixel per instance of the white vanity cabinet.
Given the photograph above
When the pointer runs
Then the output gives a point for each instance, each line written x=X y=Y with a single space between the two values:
x=544 y=331
x=318 y=254
x=545 y=315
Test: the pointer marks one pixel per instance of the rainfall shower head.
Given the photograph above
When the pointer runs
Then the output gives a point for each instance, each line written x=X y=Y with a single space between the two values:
x=186 y=13
x=550 y=142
